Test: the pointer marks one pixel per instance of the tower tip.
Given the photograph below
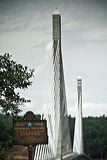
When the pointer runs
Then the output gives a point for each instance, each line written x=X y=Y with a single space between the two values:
x=79 y=78
x=56 y=11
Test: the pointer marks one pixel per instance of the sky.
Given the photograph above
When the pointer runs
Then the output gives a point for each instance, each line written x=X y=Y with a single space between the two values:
x=26 y=33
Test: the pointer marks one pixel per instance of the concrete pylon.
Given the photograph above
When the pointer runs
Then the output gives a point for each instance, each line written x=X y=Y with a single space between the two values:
x=78 y=133
x=63 y=136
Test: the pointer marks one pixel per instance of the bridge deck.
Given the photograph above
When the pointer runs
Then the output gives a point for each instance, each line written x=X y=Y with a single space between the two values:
x=76 y=157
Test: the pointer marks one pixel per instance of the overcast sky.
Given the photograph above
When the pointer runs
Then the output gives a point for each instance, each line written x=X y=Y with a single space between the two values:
x=26 y=33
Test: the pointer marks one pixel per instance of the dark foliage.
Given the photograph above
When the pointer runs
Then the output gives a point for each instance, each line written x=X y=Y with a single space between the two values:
x=94 y=132
x=12 y=76
x=95 y=136
x=6 y=134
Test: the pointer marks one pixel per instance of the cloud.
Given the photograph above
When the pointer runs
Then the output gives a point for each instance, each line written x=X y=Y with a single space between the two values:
x=39 y=45
x=95 y=34
x=94 y=109
x=48 y=55
x=47 y=59
x=71 y=24
x=88 y=33
x=49 y=46
x=21 y=16
x=39 y=69
x=90 y=109
x=29 y=107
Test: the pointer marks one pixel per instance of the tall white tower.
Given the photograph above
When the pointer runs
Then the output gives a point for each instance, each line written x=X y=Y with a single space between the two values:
x=78 y=133
x=63 y=146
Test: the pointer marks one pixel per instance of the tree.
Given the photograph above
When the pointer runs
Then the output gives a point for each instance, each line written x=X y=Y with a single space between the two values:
x=13 y=76
x=94 y=136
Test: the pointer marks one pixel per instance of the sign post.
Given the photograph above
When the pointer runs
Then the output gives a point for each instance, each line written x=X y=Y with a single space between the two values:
x=30 y=132
x=30 y=152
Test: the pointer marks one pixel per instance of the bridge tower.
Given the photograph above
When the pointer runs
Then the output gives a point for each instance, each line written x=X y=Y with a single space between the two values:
x=63 y=146
x=78 y=133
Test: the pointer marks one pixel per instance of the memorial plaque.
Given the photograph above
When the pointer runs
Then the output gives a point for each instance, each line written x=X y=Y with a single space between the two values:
x=30 y=131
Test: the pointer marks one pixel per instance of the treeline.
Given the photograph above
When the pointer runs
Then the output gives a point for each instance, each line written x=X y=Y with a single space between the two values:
x=94 y=135
x=6 y=135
